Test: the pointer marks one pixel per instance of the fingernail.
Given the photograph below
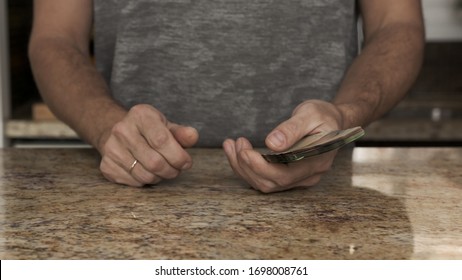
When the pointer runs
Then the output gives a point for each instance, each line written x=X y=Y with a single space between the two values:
x=276 y=139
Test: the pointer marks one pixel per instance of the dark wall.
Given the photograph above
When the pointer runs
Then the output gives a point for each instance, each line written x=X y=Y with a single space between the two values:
x=23 y=89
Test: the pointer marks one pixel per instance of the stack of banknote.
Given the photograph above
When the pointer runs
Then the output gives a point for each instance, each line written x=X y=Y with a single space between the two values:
x=316 y=144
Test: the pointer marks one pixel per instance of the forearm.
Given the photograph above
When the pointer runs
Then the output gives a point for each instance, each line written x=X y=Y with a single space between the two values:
x=73 y=89
x=381 y=75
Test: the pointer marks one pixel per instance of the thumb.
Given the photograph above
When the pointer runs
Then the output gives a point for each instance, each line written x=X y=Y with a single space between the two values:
x=187 y=136
x=286 y=134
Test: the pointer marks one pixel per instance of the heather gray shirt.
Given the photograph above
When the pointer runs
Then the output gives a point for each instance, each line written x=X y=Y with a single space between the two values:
x=229 y=68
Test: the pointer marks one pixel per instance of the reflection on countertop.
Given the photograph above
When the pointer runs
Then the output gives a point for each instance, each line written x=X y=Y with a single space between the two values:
x=375 y=203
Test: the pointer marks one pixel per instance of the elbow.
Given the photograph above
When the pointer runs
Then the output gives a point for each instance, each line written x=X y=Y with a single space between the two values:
x=37 y=48
x=415 y=38
x=32 y=50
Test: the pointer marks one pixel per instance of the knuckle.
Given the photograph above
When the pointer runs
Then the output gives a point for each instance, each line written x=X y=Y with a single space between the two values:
x=155 y=181
x=170 y=174
x=291 y=129
x=157 y=166
x=148 y=178
x=144 y=112
x=264 y=186
x=139 y=109
x=109 y=152
x=106 y=174
x=305 y=107
x=159 y=139
x=120 y=130
x=283 y=182
x=118 y=181
x=179 y=161
x=154 y=164
x=105 y=169
x=266 y=190
x=111 y=176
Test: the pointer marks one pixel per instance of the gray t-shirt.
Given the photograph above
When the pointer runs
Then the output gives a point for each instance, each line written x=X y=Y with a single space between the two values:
x=229 y=68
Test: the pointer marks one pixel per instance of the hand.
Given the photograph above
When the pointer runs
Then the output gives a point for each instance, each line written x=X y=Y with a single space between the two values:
x=310 y=117
x=147 y=136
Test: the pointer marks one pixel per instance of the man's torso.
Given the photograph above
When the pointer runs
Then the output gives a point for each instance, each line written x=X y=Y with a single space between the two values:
x=229 y=68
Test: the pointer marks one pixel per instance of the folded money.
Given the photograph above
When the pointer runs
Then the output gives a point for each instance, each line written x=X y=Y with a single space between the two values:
x=316 y=144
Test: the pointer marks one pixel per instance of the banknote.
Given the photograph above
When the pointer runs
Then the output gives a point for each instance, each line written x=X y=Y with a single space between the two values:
x=316 y=144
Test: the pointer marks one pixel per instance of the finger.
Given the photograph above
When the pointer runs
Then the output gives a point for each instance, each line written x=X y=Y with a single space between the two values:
x=144 y=176
x=151 y=161
x=270 y=177
x=155 y=164
x=288 y=133
x=229 y=146
x=152 y=125
x=236 y=152
x=185 y=135
x=269 y=183
x=130 y=139
x=161 y=140
x=241 y=145
x=115 y=173
x=309 y=117
x=257 y=182
x=133 y=175
x=287 y=174
x=231 y=153
x=117 y=153
x=322 y=114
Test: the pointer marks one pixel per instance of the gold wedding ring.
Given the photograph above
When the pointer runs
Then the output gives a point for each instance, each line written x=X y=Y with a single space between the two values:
x=132 y=166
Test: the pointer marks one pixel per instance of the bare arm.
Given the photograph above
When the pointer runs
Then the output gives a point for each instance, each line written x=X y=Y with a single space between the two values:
x=378 y=79
x=388 y=64
x=65 y=75
x=139 y=146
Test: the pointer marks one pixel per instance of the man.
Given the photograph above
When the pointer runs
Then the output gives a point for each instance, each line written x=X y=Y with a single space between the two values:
x=271 y=71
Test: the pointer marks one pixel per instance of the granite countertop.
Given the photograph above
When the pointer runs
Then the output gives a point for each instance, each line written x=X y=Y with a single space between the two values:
x=375 y=203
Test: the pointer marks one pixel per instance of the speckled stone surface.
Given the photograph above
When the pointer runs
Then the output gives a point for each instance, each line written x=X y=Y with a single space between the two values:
x=375 y=203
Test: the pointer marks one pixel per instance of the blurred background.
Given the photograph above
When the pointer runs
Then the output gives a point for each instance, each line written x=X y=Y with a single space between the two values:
x=430 y=115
